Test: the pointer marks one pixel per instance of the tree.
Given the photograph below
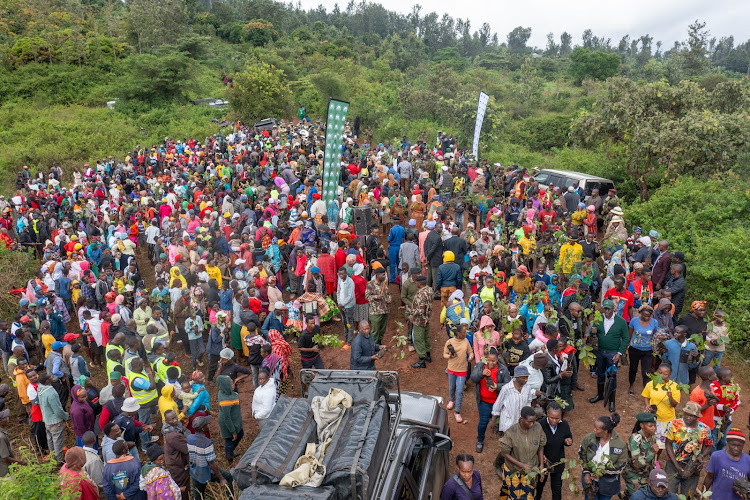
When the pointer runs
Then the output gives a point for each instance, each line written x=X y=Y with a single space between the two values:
x=259 y=92
x=694 y=55
x=566 y=43
x=517 y=39
x=681 y=129
x=552 y=48
x=598 y=65
x=155 y=79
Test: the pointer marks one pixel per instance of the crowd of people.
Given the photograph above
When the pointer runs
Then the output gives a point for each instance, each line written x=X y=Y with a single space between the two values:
x=534 y=288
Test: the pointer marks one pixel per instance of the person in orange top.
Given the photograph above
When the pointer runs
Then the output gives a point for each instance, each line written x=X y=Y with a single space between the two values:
x=704 y=396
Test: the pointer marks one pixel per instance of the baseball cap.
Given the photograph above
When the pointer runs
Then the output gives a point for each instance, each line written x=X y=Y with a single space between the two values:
x=658 y=478
x=608 y=304
x=70 y=336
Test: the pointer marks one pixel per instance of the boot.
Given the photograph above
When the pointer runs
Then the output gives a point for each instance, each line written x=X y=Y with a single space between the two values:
x=428 y=358
x=419 y=364
x=611 y=402
x=599 y=394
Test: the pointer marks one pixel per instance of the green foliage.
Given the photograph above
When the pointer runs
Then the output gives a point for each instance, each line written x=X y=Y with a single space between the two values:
x=259 y=92
x=544 y=133
x=661 y=128
x=705 y=220
x=38 y=479
x=597 y=65
x=152 y=79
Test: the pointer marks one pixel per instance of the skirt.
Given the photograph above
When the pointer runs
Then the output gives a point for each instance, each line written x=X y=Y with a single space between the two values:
x=515 y=486
x=361 y=312
x=237 y=336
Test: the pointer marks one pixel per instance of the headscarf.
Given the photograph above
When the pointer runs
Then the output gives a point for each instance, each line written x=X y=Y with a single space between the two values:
x=697 y=304
x=457 y=295
x=75 y=458
x=120 y=300
x=179 y=277
x=280 y=347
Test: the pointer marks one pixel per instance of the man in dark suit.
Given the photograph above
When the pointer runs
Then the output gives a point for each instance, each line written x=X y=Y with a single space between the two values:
x=558 y=437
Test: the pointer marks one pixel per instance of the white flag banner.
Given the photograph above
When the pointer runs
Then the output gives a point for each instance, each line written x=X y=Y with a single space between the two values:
x=481 y=108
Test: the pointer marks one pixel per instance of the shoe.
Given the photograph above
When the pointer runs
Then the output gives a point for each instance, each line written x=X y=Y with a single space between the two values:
x=612 y=407
x=480 y=447
x=580 y=388
x=451 y=404
x=459 y=420
x=419 y=364
x=599 y=394
x=428 y=358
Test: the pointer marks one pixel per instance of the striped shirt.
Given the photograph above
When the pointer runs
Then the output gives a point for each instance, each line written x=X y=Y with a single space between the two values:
x=202 y=453
x=509 y=403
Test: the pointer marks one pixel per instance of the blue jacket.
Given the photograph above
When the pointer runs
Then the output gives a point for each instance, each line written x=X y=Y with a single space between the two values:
x=203 y=399
x=679 y=370
x=396 y=236
x=271 y=323
x=123 y=477
x=362 y=348
x=215 y=344
x=449 y=274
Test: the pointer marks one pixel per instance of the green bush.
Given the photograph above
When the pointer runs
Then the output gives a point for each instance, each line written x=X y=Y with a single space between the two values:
x=594 y=64
x=707 y=220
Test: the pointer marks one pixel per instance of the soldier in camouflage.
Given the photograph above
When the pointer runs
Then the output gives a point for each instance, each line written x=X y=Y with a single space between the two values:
x=642 y=451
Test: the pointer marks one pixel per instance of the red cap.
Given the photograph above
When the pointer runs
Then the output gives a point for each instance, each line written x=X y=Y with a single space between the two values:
x=70 y=336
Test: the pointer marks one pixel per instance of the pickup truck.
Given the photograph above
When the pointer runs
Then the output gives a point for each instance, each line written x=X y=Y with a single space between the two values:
x=415 y=445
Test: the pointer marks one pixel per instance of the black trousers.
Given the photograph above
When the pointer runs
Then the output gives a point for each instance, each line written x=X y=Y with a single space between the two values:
x=555 y=479
x=39 y=437
x=645 y=359
x=213 y=364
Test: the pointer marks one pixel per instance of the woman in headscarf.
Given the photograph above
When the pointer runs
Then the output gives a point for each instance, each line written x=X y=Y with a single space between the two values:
x=417 y=209
x=73 y=479
x=122 y=309
x=283 y=351
x=177 y=280
x=156 y=480
x=454 y=311
x=618 y=257
x=81 y=413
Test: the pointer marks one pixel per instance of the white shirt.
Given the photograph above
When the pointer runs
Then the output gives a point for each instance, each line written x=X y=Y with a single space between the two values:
x=264 y=399
x=509 y=403
x=608 y=323
x=602 y=453
x=152 y=232
x=536 y=377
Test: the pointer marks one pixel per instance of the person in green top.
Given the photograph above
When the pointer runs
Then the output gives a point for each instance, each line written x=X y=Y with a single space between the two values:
x=642 y=450
x=230 y=417
x=613 y=336
x=604 y=456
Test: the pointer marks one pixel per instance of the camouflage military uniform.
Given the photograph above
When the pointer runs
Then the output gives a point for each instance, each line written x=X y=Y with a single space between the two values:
x=640 y=463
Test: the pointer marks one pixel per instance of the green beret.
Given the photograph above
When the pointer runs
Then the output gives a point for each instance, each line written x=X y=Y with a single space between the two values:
x=645 y=417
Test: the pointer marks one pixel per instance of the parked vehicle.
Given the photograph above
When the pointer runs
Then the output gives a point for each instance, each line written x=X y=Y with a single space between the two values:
x=390 y=445
x=564 y=179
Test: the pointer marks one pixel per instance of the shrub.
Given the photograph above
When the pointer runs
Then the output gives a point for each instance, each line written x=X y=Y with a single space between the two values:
x=705 y=219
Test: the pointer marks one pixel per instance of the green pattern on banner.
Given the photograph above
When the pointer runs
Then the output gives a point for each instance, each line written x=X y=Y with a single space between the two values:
x=334 y=140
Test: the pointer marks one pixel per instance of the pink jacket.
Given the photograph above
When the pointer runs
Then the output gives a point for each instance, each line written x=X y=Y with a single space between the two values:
x=480 y=341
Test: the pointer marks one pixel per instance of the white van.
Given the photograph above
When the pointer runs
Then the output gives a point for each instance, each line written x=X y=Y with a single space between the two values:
x=564 y=179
